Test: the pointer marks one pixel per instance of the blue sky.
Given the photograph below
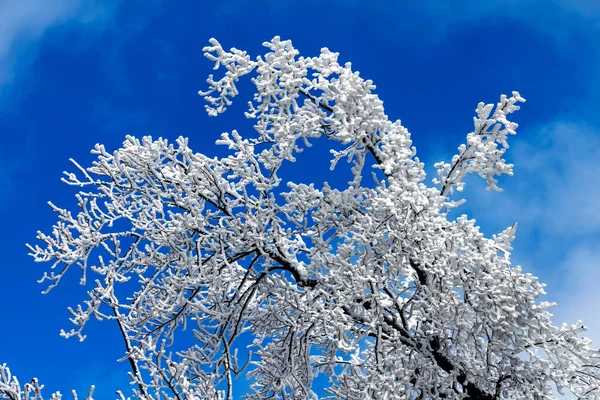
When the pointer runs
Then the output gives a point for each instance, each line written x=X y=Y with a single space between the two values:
x=76 y=73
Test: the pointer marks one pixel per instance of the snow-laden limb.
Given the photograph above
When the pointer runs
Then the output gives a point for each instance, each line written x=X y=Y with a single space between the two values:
x=372 y=286
x=482 y=153
x=11 y=388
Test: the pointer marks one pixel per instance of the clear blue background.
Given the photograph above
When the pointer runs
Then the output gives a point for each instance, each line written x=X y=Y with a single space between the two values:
x=73 y=74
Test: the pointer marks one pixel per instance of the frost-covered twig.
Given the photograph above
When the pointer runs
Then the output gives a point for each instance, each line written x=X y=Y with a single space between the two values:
x=372 y=285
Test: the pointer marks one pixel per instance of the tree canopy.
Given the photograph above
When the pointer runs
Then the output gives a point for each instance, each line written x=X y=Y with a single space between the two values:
x=217 y=269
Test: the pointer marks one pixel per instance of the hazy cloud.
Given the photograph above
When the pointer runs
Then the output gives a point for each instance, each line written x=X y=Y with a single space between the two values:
x=556 y=187
x=24 y=22
x=563 y=171
x=579 y=297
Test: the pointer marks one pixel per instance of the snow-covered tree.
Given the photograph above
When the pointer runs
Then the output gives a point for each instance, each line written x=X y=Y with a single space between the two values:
x=216 y=270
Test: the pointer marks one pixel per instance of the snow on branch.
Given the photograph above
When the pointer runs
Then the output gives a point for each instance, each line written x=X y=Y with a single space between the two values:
x=485 y=147
x=11 y=388
x=217 y=270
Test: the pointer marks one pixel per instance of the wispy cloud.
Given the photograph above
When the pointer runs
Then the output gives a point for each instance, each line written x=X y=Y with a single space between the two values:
x=562 y=169
x=23 y=23
x=556 y=187
x=579 y=297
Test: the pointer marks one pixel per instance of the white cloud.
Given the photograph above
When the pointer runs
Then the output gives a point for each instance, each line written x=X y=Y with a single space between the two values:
x=579 y=297
x=562 y=173
x=24 y=22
